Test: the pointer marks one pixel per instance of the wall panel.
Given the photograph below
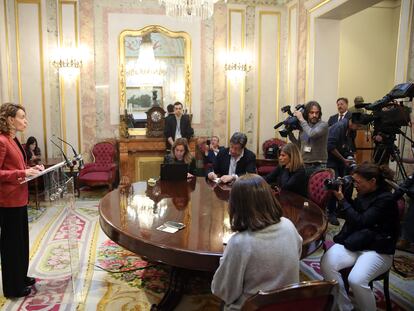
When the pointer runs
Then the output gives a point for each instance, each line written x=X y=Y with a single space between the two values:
x=69 y=88
x=235 y=88
x=268 y=71
x=30 y=72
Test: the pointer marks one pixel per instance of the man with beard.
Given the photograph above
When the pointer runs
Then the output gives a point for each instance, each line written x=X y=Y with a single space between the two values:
x=313 y=137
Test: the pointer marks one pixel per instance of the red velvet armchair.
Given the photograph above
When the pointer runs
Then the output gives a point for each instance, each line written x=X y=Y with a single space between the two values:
x=316 y=191
x=103 y=170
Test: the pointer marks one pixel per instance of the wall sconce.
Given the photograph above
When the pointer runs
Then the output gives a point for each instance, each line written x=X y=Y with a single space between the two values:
x=237 y=64
x=67 y=61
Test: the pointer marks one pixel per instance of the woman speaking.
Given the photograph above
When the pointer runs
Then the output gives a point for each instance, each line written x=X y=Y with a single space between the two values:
x=14 y=241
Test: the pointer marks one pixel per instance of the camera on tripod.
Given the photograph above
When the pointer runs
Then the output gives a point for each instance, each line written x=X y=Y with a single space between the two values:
x=334 y=183
x=291 y=123
x=387 y=113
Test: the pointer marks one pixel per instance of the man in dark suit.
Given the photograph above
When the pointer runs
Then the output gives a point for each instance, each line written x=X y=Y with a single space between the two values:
x=172 y=131
x=342 y=105
x=234 y=161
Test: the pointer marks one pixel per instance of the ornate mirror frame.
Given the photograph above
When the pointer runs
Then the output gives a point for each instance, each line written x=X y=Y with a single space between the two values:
x=141 y=32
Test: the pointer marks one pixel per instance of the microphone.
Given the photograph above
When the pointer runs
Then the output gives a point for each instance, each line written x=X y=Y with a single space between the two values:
x=78 y=157
x=69 y=163
x=278 y=125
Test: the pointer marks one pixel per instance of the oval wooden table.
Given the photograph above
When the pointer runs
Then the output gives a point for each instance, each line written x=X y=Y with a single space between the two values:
x=130 y=217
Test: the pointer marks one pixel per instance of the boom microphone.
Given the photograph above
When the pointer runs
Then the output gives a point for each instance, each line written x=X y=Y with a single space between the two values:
x=78 y=156
x=278 y=125
x=68 y=163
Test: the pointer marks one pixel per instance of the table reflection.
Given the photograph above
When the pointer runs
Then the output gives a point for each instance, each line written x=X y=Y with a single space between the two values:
x=130 y=216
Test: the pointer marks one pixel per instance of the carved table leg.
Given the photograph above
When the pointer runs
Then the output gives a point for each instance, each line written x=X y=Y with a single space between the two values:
x=172 y=297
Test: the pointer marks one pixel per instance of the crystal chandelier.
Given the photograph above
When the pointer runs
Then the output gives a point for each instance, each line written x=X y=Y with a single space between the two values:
x=189 y=9
x=146 y=70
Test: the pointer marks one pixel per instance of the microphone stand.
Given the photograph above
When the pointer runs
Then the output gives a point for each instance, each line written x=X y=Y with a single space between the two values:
x=77 y=157
x=68 y=163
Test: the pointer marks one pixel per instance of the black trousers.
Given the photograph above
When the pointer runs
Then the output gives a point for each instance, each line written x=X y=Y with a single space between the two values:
x=14 y=248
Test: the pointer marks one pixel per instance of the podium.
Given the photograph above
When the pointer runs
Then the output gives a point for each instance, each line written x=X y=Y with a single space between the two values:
x=59 y=192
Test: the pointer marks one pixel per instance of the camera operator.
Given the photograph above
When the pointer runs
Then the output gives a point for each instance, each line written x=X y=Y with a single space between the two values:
x=367 y=240
x=312 y=137
x=341 y=149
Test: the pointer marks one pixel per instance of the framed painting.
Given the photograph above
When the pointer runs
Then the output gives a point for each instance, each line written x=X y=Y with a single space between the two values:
x=141 y=99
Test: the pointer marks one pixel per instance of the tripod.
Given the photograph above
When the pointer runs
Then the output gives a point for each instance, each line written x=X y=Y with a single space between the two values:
x=387 y=150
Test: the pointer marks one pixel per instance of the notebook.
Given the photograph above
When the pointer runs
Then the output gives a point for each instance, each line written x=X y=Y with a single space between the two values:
x=174 y=171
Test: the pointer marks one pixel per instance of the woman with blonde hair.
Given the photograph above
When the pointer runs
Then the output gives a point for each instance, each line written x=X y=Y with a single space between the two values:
x=290 y=174
x=180 y=153
x=264 y=252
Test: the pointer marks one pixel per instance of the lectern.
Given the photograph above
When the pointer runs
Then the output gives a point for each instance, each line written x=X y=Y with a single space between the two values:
x=58 y=191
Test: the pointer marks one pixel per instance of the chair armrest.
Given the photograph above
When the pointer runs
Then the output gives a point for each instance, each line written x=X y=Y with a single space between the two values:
x=89 y=167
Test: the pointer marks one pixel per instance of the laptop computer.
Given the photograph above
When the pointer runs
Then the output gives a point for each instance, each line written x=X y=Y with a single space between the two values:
x=174 y=171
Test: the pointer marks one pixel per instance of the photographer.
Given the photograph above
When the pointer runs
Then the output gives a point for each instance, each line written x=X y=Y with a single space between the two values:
x=312 y=137
x=341 y=150
x=367 y=240
x=212 y=149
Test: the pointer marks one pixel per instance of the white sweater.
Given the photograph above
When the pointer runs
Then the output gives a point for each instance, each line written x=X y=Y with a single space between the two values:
x=258 y=260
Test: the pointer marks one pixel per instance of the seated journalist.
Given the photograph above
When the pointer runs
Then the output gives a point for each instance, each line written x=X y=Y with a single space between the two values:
x=32 y=150
x=290 y=174
x=234 y=161
x=367 y=239
x=180 y=153
x=264 y=252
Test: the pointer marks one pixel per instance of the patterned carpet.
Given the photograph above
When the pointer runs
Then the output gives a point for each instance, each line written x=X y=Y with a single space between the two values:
x=112 y=278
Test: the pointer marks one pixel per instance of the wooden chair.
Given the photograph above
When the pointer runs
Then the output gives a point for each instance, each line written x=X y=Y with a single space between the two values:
x=385 y=277
x=309 y=295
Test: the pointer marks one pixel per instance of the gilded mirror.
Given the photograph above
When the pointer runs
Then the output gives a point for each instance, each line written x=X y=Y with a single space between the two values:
x=170 y=48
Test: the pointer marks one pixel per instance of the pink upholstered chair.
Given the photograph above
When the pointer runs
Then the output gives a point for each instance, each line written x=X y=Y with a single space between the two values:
x=265 y=167
x=103 y=170
x=316 y=191
x=309 y=295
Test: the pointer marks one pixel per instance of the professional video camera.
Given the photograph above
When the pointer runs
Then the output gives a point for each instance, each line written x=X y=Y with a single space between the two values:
x=291 y=123
x=333 y=184
x=387 y=115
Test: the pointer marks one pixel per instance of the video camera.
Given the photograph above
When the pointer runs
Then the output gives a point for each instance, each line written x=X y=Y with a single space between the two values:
x=334 y=183
x=386 y=113
x=291 y=123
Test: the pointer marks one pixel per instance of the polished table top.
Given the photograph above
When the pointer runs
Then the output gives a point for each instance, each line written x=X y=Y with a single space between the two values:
x=130 y=217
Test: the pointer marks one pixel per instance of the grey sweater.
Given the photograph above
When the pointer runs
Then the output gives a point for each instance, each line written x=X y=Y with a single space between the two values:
x=314 y=136
x=257 y=260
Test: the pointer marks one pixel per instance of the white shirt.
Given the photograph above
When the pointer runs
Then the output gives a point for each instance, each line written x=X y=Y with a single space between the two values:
x=233 y=163
x=342 y=116
x=178 y=128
